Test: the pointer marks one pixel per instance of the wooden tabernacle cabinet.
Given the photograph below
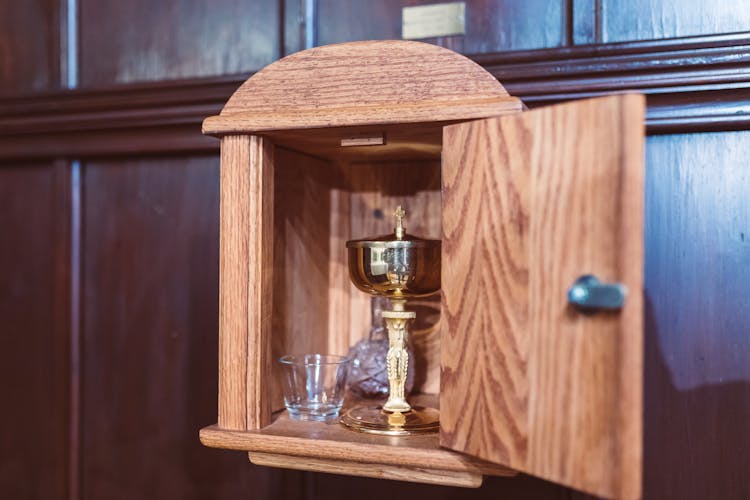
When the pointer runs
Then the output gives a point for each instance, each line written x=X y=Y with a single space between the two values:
x=525 y=203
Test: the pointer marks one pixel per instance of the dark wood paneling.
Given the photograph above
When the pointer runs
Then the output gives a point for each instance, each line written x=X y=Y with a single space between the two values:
x=34 y=305
x=697 y=390
x=145 y=40
x=650 y=19
x=491 y=25
x=29 y=46
x=695 y=84
x=686 y=66
x=150 y=236
x=150 y=322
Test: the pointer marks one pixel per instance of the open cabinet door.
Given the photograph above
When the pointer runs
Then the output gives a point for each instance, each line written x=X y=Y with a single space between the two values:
x=532 y=202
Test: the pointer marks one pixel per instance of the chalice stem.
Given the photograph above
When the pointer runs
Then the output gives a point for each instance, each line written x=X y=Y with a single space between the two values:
x=398 y=357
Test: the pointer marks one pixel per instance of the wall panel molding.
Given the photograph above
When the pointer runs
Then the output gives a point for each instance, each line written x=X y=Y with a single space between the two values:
x=693 y=84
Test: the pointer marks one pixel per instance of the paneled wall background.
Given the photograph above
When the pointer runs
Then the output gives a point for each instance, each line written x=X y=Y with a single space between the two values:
x=109 y=229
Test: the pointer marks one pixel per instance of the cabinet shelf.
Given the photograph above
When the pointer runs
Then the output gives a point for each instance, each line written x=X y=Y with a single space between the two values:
x=329 y=447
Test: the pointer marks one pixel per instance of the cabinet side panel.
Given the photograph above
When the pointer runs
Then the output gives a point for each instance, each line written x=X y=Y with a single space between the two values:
x=532 y=202
x=302 y=208
x=245 y=281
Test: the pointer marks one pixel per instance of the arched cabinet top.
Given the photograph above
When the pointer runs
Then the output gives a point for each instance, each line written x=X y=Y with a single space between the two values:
x=363 y=83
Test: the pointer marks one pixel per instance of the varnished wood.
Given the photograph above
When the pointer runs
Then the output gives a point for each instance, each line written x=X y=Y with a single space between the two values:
x=30 y=41
x=491 y=25
x=317 y=88
x=530 y=203
x=35 y=307
x=165 y=116
x=174 y=39
x=301 y=292
x=149 y=350
x=339 y=446
x=413 y=474
x=413 y=141
x=697 y=392
x=653 y=19
x=246 y=261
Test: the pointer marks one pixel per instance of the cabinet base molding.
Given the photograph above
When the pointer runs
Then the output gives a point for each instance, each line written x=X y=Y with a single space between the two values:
x=466 y=479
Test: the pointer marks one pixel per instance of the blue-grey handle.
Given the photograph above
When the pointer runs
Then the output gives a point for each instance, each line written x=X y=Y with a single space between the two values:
x=590 y=295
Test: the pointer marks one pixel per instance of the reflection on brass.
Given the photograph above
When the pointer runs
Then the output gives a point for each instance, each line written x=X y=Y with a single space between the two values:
x=396 y=419
x=399 y=266
x=375 y=420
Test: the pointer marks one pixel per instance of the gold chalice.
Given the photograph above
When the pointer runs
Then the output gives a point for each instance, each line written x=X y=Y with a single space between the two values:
x=398 y=266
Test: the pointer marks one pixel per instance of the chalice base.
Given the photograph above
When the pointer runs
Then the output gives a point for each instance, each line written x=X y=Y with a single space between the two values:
x=375 y=420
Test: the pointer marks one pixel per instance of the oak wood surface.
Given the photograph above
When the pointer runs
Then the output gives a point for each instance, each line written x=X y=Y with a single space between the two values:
x=531 y=203
x=414 y=474
x=414 y=141
x=246 y=265
x=301 y=232
x=317 y=88
x=333 y=443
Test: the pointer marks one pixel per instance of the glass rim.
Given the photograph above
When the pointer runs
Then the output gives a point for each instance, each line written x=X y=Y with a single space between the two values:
x=318 y=359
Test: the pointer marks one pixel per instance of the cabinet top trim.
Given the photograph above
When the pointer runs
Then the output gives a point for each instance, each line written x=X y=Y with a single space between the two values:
x=362 y=83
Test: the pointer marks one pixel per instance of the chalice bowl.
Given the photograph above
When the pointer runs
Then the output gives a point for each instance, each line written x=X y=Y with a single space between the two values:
x=399 y=266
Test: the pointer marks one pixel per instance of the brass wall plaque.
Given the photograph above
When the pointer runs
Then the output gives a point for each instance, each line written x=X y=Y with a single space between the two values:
x=429 y=21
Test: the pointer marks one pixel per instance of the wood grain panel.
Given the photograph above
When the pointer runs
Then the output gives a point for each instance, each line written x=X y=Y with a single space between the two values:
x=150 y=322
x=34 y=307
x=531 y=203
x=29 y=46
x=650 y=19
x=246 y=265
x=465 y=479
x=334 y=443
x=141 y=40
x=302 y=210
x=491 y=25
x=362 y=83
x=697 y=393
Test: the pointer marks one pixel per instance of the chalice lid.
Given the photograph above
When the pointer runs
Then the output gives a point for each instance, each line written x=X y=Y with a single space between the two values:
x=399 y=238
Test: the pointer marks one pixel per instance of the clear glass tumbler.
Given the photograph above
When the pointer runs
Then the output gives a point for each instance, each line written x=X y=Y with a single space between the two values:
x=314 y=385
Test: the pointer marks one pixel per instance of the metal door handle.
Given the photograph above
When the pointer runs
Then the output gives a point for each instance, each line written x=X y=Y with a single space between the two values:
x=588 y=294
